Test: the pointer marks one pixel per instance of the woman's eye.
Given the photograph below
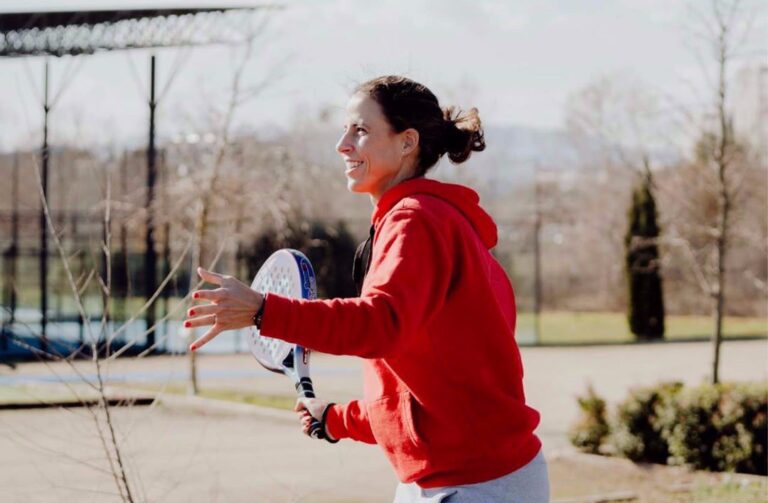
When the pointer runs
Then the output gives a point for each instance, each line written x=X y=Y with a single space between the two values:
x=361 y=131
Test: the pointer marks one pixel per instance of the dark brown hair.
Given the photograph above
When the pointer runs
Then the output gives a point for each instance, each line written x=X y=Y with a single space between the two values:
x=408 y=104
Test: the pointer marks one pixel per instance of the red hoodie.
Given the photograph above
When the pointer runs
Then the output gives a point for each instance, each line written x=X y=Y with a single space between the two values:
x=435 y=322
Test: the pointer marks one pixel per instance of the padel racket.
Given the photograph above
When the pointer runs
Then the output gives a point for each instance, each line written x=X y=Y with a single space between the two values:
x=288 y=273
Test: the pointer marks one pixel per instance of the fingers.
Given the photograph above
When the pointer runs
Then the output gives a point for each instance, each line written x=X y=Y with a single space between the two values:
x=201 y=321
x=210 y=334
x=204 y=310
x=309 y=407
x=304 y=417
x=212 y=295
x=306 y=423
x=210 y=276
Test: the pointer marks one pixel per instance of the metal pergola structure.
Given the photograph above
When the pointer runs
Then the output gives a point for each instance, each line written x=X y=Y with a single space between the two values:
x=65 y=28
x=60 y=33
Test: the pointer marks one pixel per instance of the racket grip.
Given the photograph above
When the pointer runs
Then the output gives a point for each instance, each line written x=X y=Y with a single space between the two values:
x=305 y=390
x=316 y=429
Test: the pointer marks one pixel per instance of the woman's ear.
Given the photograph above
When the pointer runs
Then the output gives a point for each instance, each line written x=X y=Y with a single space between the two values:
x=410 y=141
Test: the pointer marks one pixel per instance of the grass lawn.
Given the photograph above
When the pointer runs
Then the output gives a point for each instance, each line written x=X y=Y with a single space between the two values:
x=28 y=394
x=603 y=327
x=557 y=327
x=33 y=394
x=46 y=393
x=732 y=492
x=285 y=402
x=274 y=401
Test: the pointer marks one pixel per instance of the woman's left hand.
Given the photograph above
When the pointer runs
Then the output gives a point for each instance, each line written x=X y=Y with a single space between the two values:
x=232 y=306
x=309 y=409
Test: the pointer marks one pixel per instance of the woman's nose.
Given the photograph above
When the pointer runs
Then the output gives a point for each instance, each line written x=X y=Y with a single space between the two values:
x=343 y=146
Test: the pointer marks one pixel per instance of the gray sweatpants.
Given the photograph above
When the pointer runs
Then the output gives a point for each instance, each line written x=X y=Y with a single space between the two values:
x=529 y=484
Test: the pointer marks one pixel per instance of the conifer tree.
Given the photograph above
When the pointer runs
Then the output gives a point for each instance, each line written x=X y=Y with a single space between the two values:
x=646 y=302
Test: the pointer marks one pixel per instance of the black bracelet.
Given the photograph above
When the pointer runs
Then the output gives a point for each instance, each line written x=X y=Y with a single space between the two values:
x=322 y=424
x=260 y=313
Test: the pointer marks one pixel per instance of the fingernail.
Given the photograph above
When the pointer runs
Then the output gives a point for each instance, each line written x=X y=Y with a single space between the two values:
x=192 y=347
x=196 y=296
x=187 y=324
x=191 y=312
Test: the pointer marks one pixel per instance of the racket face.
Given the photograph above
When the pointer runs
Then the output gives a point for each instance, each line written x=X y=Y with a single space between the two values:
x=288 y=273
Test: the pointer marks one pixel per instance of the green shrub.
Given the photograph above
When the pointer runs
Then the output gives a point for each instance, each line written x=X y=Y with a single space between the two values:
x=638 y=432
x=590 y=431
x=721 y=428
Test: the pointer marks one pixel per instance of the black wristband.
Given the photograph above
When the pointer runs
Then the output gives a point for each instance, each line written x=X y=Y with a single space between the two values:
x=322 y=424
x=260 y=313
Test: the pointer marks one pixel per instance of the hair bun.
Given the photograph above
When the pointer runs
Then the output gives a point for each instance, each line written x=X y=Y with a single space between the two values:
x=463 y=134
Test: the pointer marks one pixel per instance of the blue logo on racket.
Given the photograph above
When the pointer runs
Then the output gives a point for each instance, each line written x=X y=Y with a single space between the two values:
x=308 y=282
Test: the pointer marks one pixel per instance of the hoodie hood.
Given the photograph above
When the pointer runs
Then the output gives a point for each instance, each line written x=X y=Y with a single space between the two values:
x=462 y=198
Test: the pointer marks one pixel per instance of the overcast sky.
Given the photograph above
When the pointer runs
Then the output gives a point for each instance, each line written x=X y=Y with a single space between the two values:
x=516 y=61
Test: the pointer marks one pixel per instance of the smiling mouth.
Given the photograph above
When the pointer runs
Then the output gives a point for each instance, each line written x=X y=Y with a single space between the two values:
x=352 y=165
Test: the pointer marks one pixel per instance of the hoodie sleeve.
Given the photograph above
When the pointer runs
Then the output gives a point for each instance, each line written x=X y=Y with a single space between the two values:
x=349 y=421
x=407 y=282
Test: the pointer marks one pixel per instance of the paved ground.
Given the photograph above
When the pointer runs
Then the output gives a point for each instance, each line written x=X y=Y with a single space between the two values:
x=195 y=450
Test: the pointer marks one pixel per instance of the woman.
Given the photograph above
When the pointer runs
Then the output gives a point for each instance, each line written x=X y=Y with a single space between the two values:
x=435 y=316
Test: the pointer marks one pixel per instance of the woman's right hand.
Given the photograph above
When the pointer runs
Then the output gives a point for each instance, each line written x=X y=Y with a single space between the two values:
x=232 y=306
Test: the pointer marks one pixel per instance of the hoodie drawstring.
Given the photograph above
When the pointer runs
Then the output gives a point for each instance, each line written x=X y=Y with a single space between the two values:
x=362 y=261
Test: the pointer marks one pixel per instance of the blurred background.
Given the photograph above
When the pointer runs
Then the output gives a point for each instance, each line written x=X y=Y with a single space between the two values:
x=626 y=165
x=579 y=105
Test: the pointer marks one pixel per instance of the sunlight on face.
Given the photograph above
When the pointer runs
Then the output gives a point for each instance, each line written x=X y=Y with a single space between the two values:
x=372 y=151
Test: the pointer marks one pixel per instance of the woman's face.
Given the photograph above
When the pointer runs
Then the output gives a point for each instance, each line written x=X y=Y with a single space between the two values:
x=376 y=158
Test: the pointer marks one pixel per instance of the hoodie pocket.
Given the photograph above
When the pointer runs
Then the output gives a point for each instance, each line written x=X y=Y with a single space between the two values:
x=408 y=405
x=392 y=423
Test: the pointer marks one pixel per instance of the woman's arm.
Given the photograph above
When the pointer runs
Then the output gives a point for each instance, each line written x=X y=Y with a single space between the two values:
x=341 y=421
x=407 y=282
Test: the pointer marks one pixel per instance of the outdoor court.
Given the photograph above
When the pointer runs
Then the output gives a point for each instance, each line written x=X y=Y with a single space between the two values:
x=191 y=449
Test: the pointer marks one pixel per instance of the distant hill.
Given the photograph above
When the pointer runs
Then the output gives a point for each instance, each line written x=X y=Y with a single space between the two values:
x=509 y=159
x=512 y=153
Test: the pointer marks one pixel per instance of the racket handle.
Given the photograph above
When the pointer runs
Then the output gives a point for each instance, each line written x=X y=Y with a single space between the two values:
x=305 y=390
x=316 y=430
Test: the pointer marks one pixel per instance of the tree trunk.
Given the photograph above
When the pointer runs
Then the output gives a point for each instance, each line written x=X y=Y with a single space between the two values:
x=201 y=229
x=722 y=160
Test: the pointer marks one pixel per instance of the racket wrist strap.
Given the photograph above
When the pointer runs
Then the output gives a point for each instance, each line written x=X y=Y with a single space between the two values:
x=323 y=425
x=260 y=313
